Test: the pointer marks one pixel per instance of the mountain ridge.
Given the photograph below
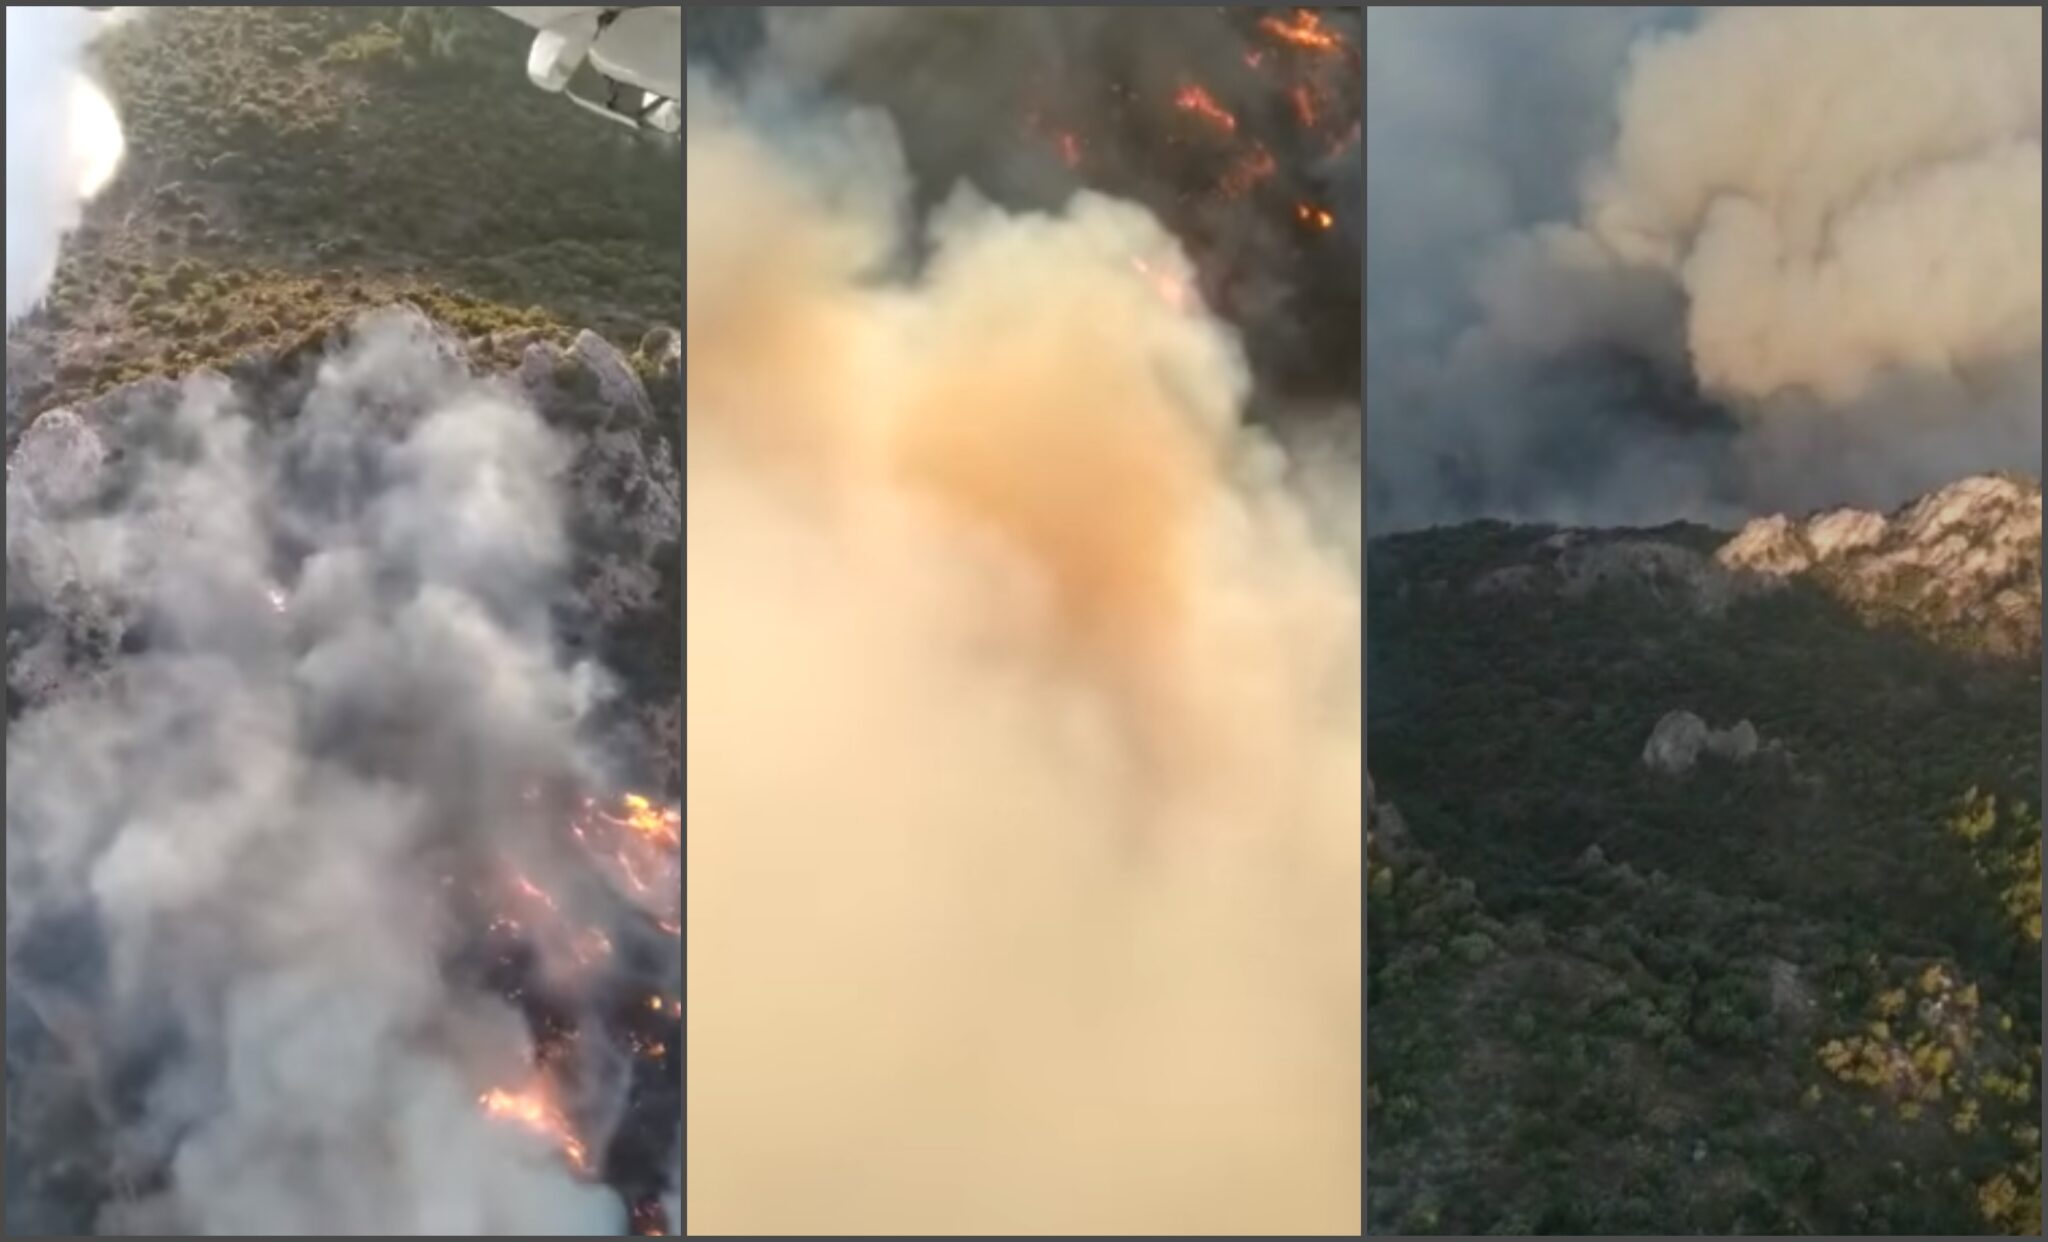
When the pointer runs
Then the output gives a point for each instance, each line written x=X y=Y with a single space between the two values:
x=1611 y=995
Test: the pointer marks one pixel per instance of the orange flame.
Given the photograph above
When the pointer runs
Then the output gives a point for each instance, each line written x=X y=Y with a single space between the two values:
x=662 y=826
x=637 y=846
x=1195 y=99
x=1313 y=215
x=533 y=1111
x=1305 y=30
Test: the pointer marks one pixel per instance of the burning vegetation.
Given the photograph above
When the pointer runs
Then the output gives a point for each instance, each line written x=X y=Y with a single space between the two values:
x=575 y=959
x=1238 y=181
x=1024 y=736
x=1239 y=128
x=330 y=909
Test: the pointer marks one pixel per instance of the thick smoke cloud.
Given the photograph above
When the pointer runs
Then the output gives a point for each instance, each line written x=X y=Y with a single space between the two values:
x=63 y=142
x=1699 y=265
x=303 y=674
x=1024 y=750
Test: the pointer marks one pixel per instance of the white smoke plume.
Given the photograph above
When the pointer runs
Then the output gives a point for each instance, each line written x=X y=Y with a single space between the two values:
x=64 y=141
x=1849 y=266
x=231 y=848
x=1024 y=750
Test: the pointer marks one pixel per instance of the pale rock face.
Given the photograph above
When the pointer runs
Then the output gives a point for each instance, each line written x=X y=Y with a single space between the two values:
x=1768 y=545
x=1676 y=742
x=1507 y=580
x=616 y=382
x=56 y=467
x=1648 y=563
x=1968 y=556
x=59 y=458
x=1844 y=530
x=1680 y=738
x=1738 y=744
x=1574 y=566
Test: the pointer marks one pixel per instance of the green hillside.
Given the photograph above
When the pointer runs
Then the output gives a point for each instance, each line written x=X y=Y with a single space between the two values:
x=1796 y=991
x=290 y=167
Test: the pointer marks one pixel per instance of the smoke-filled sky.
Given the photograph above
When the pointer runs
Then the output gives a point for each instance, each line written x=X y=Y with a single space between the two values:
x=1625 y=265
x=1025 y=736
x=288 y=683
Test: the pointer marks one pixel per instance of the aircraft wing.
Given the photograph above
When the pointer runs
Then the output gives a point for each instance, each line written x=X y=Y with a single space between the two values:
x=635 y=54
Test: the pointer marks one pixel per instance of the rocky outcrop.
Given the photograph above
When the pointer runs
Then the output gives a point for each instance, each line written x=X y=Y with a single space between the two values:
x=71 y=612
x=1961 y=565
x=1573 y=564
x=1661 y=568
x=1680 y=738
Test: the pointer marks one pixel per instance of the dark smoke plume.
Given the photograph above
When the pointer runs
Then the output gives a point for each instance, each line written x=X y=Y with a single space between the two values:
x=1625 y=265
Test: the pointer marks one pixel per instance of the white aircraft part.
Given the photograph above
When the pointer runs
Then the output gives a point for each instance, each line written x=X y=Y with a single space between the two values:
x=557 y=52
x=644 y=47
x=629 y=47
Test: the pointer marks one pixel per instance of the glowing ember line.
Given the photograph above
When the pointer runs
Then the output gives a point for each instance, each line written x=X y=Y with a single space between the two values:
x=632 y=873
x=1194 y=99
x=1305 y=30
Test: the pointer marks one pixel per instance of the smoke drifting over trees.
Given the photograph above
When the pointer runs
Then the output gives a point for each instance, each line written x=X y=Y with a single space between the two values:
x=289 y=688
